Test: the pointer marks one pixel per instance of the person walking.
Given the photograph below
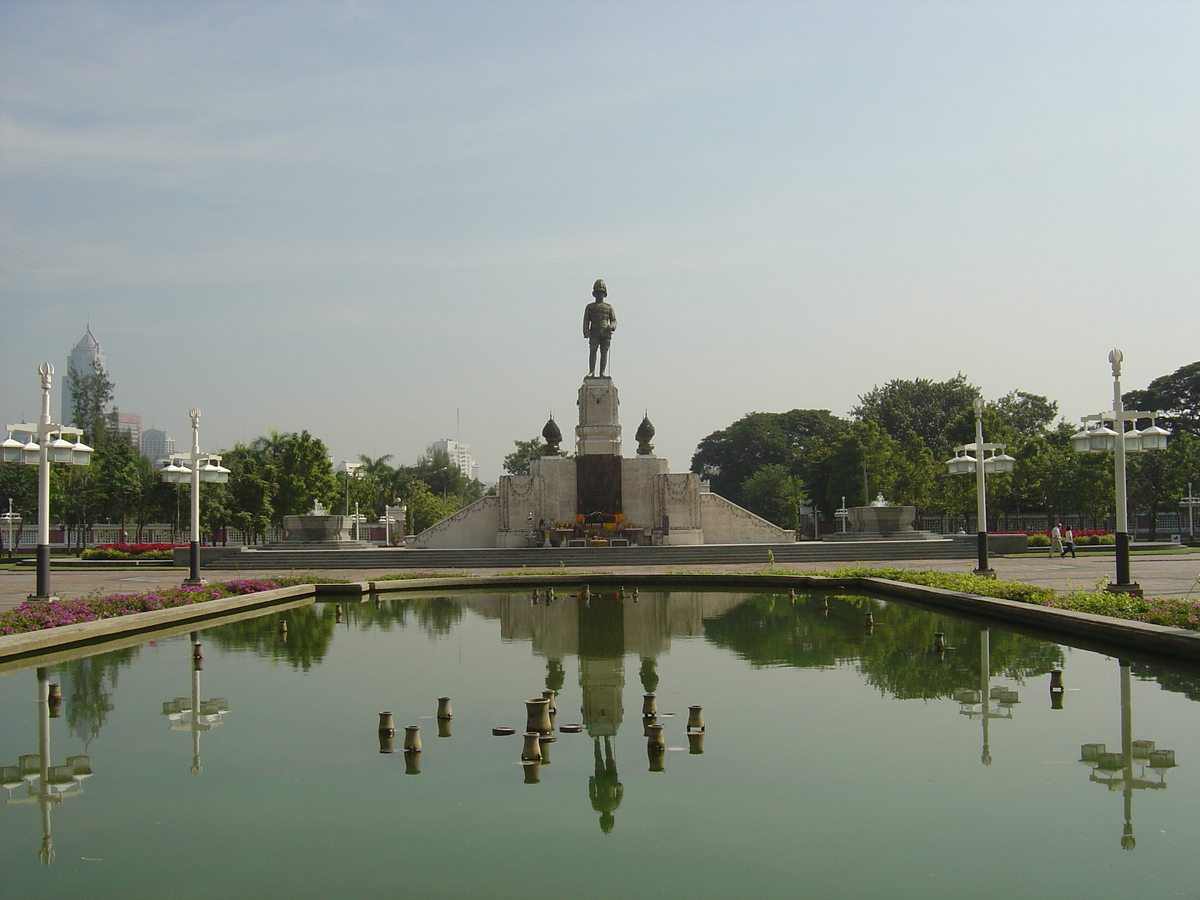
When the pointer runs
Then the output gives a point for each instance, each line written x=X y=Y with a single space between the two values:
x=1055 y=541
x=1068 y=539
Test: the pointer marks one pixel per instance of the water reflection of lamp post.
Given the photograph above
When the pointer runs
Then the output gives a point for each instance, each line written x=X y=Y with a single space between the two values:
x=1099 y=438
x=963 y=463
x=192 y=469
x=1115 y=770
x=45 y=450
x=195 y=715
x=978 y=704
x=46 y=784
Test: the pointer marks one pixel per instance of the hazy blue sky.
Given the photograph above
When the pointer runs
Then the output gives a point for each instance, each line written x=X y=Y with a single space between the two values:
x=359 y=218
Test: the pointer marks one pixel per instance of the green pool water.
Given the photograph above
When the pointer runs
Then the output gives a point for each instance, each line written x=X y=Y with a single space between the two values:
x=836 y=761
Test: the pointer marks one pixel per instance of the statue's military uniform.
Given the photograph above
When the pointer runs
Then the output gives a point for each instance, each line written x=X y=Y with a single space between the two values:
x=599 y=322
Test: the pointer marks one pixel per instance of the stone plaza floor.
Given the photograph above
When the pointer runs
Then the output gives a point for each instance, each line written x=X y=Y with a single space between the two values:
x=1166 y=575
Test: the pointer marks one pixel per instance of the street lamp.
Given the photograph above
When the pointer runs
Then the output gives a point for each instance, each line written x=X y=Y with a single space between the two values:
x=11 y=520
x=1098 y=438
x=192 y=469
x=1191 y=501
x=352 y=471
x=963 y=463
x=51 y=446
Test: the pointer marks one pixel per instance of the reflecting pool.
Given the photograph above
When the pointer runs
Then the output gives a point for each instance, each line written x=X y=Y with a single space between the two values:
x=836 y=760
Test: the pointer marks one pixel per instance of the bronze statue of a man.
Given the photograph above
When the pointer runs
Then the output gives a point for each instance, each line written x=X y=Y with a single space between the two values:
x=599 y=322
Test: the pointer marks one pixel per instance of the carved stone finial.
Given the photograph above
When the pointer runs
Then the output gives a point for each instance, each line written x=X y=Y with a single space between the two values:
x=644 y=435
x=553 y=435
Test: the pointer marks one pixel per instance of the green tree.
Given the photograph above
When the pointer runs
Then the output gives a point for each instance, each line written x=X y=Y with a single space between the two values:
x=91 y=403
x=928 y=408
x=517 y=462
x=155 y=502
x=303 y=474
x=119 y=477
x=18 y=483
x=775 y=494
x=377 y=484
x=426 y=508
x=1026 y=414
x=251 y=490
x=797 y=440
x=860 y=465
x=1177 y=395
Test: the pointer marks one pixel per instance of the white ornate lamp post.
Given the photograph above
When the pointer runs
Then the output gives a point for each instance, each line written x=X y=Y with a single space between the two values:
x=11 y=520
x=963 y=463
x=192 y=469
x=52 y=445
x=352 y=470
x=1099 y=438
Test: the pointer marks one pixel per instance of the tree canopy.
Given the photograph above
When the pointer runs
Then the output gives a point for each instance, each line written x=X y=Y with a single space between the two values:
x=926 y=408
x=1177 y=395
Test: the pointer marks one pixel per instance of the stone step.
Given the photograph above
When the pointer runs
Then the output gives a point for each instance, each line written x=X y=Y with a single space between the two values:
x=593 y=557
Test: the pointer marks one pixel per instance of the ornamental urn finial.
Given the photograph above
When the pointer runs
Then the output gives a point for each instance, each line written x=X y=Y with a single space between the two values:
x=553 y=436
x=644 y=435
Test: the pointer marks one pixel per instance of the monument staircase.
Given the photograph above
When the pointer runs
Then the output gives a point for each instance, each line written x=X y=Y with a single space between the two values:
x=541 y=558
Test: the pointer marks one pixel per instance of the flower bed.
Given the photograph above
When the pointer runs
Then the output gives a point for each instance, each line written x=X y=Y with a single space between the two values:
x=129 y=551
x=34 y=615
x=1170 y=611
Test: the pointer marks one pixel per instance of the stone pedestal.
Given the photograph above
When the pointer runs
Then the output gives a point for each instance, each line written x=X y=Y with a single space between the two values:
x=599 y=428
x=559 y=488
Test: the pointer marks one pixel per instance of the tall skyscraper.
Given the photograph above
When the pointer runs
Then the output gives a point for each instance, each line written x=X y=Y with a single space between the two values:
x=87 y=350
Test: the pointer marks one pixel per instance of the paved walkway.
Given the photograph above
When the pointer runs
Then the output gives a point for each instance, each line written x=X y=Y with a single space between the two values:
x=1167 y=575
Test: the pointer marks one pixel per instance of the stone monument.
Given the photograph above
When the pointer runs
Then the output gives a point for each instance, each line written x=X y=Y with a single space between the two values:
x=600 y=498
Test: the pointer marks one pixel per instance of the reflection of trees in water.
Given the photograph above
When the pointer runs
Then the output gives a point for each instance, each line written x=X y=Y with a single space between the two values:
x=88 y=686
x=436 y=616
x=895 y=656
x=1175 y=682
x=311 y=628
x=304 y=645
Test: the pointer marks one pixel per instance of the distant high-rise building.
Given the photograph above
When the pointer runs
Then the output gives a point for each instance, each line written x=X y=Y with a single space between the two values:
x=156 y=445
x=460 y=457
x=131 y=424
x=87 y=351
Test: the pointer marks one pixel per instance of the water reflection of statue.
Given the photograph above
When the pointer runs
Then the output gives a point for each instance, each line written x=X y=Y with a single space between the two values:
x=599 y=322
x=604 y=789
